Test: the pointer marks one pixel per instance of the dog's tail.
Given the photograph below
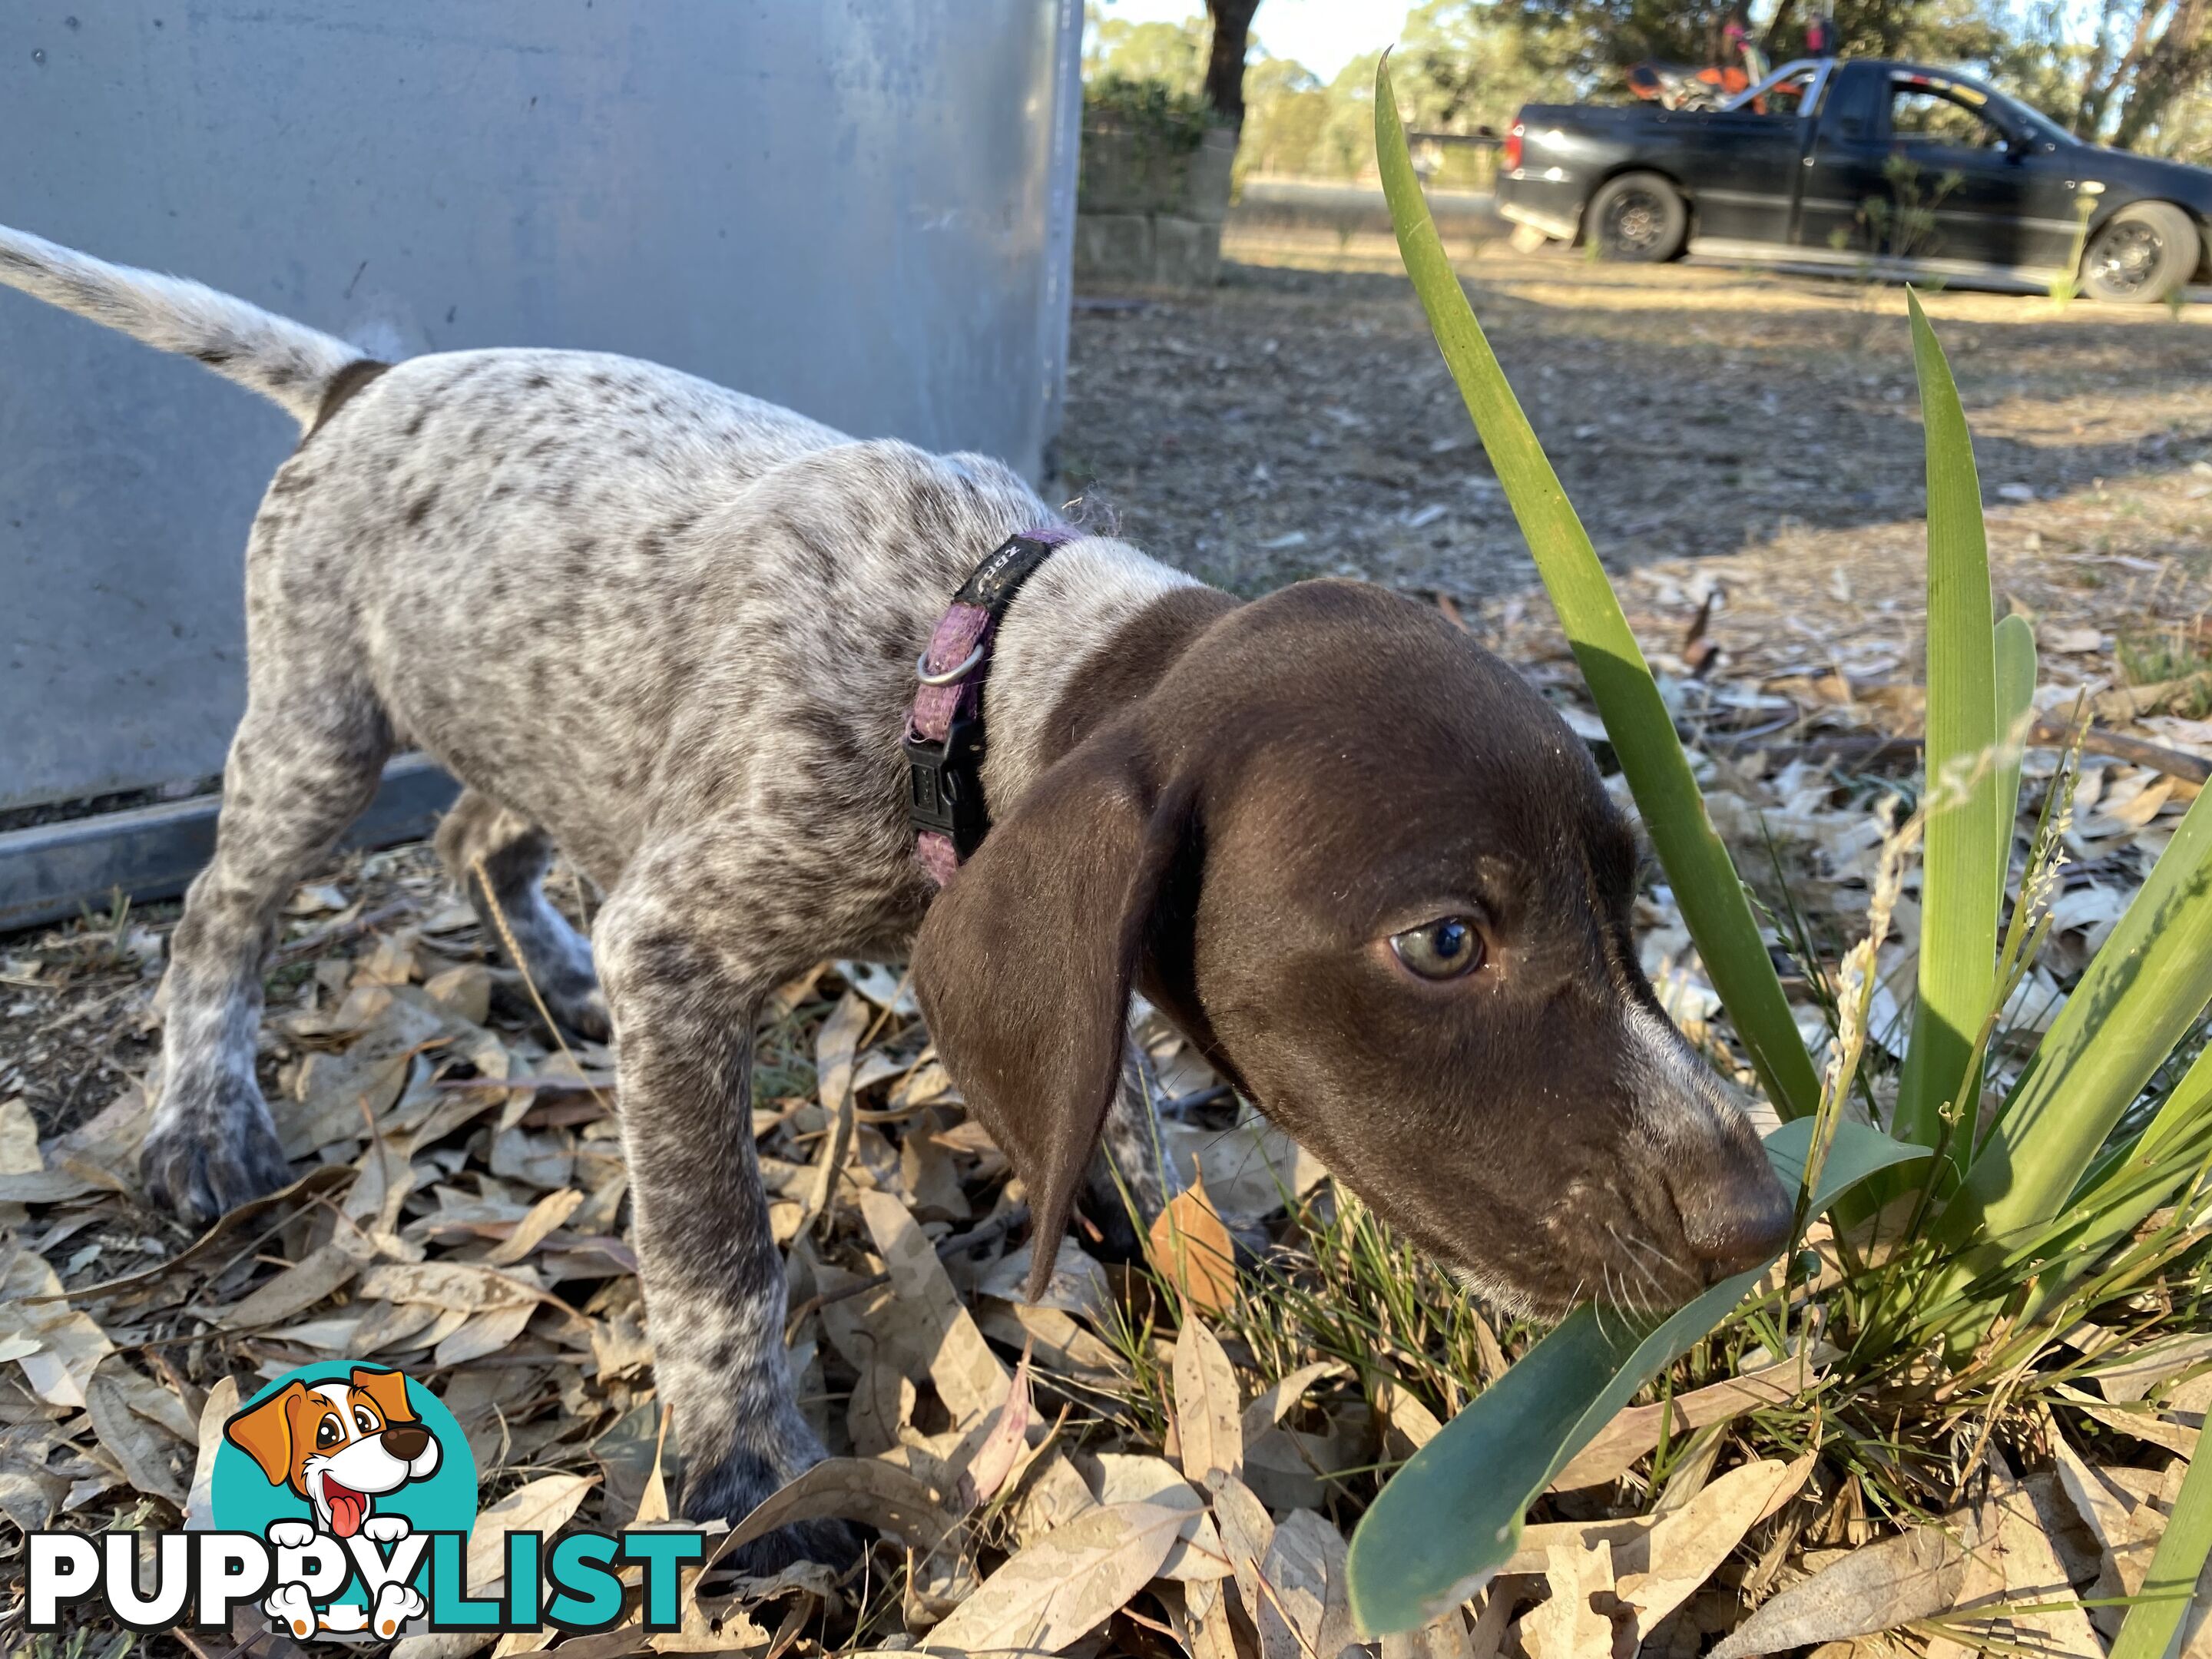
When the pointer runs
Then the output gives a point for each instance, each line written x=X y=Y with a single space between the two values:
x=285 y=362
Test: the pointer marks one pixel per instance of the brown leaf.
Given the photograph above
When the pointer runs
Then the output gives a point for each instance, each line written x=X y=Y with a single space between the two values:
x=969 y=1377
x=882 y=1404
x=1002 y=1447
x=18 y=1139
x=1635 y=1430
x=1913 y=1576
x=1052 y=1496
x=71 y=1344
x=834 y=1046
x=1248 y=1532
x=549 y=1212
x=1270 y=1405
x=125 y=1409
x=2127 y=1525
x=222 y=1405
x=1206 y=1408
x=545 y=1505
x=313 y=1278
x=1077 y=1285
x=1412 y=1425
x=1687 y=1545
x=865 y=1489
x=1446 y=1639
x=456 y=1287
x=2146 y=1365
x=1139 y=1478
x=483 y=1334
x=1061 y=1588
x=1193 y=1252
x=1304 y=1606
x=2017 y=1555
x=1571 y=1624
x=334 y=1089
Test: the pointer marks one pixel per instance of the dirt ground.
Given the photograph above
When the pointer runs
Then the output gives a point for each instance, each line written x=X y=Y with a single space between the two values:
x=1710 y=424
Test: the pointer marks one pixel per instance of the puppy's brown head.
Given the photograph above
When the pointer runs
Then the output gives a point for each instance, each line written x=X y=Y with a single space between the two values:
x=1374 y=876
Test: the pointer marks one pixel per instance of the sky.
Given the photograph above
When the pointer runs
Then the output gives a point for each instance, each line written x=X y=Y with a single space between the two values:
x=1322 y=34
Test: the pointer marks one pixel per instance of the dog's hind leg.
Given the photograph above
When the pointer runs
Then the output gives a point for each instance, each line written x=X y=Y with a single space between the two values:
x=306 y=761
x=487 y=847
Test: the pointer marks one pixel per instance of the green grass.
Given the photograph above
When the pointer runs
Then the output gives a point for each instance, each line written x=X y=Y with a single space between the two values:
x=2155 y=659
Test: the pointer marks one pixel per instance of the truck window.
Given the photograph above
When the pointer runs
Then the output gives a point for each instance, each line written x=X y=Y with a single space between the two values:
x=1786 y=97
x=1923 y=113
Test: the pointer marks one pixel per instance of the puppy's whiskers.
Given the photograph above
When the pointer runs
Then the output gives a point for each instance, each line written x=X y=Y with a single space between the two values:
x=1657 y=1296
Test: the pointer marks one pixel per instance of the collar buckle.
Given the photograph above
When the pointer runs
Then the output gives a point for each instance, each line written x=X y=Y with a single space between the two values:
x=944 y=785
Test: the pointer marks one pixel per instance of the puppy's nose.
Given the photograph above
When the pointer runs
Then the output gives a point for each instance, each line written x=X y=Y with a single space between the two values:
x=1738 y=1221
x=406 y=1441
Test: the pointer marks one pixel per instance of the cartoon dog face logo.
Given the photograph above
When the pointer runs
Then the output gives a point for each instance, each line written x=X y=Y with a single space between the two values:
x=338 y=1445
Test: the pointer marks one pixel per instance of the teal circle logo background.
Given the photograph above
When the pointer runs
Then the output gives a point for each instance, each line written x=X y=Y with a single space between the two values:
x=241 y=1499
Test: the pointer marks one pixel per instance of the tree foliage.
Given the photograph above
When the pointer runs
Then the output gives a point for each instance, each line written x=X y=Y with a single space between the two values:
x=2137 y=73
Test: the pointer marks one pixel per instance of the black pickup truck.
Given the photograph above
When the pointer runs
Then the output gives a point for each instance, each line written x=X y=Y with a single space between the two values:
x=1886 y=168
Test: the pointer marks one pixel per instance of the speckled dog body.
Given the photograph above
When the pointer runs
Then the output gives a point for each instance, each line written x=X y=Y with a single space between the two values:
x=667 y=627
x=673 y=629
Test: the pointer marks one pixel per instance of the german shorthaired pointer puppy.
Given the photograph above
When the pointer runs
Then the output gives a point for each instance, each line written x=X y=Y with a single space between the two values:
x=1367 y=870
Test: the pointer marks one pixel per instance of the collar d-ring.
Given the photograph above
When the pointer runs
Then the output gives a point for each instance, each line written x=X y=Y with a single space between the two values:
x=947 y=676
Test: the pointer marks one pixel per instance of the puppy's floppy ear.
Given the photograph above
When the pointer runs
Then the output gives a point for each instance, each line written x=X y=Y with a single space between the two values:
x=1025 y=962
x=388 y=1391
x=264 y=1433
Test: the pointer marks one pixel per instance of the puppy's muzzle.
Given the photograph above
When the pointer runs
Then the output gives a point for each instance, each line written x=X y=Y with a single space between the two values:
x=1732 y=1221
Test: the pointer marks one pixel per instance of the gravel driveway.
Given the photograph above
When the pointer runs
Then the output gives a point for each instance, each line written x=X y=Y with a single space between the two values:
x=1710 y=423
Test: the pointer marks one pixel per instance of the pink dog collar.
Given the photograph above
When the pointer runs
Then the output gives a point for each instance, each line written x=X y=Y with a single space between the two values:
x=945 y=732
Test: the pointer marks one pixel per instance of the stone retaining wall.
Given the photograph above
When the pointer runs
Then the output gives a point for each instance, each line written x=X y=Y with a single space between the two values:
x=1149 y=216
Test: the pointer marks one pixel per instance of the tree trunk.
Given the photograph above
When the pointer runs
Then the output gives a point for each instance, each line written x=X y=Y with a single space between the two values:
x=1224 y=64
x=2175 y=64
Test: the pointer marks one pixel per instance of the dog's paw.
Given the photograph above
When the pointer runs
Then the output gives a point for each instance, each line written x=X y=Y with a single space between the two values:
x=386 y=1528
x=395 y=1605
x=583 y=1010
x=205 y=1158
x=288 y=1608
x=737 y=1487
x=290 y=1534
x=830 y=1543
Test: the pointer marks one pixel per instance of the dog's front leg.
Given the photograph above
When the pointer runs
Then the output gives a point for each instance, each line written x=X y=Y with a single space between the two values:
x=684 y=998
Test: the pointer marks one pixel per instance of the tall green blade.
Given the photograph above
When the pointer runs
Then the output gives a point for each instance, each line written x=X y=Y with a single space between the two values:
x=2148 y=1630
x=2137 y=1000
x=2016 y=677
x=1714 y=906
x=1453 y=1515
x=1960 y=890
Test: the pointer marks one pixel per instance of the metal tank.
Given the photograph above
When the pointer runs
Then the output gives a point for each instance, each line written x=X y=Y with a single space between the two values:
x=860 y=209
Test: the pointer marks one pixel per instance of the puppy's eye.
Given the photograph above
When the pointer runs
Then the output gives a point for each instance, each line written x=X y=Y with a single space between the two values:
x=364 y=1420
x=1442 y=949
x=328 y=1432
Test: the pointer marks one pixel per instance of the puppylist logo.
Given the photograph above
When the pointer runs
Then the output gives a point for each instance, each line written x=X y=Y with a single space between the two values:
x=343 y=1499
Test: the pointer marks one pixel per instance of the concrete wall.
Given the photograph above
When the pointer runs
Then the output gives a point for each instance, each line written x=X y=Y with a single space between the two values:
x=862 y=210
x=1148 y=217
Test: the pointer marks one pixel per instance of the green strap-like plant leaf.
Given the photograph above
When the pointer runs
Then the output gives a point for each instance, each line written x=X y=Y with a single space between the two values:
x=1451 y=1517
x=2015 y=674
x=1714 y=905
x=1962 y=889
x=2138 y=998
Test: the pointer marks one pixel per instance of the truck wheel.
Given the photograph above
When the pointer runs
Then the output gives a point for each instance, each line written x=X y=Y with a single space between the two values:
x=1639 y=218
x=2145 y=252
